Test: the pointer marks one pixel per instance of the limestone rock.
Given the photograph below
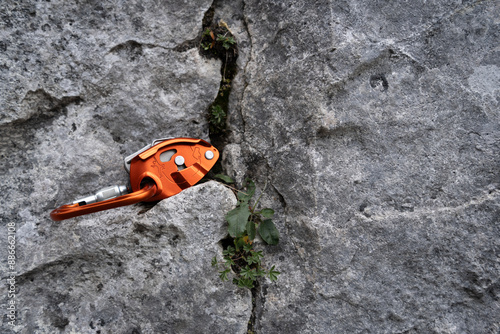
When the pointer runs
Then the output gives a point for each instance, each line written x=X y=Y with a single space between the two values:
x=132 y=272
x=377 y=125
x=84 y=85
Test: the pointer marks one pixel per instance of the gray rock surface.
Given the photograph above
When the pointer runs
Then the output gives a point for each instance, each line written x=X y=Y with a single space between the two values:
x=96 y=84
x=128 y=271
x=375 y=123
x=378 y=126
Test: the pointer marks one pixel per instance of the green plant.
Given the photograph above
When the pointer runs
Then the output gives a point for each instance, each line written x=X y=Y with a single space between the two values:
x=244 y=223
x=227 y=41
x=208 y=39
x=224 y=178
x=207 y=32
x=224 y=36
x=225 y=86
x=217 y=41
x=217 y=116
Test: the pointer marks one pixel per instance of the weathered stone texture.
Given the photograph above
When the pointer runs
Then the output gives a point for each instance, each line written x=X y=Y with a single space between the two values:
x=93 y=86
x=375 y=123
x=126 y=271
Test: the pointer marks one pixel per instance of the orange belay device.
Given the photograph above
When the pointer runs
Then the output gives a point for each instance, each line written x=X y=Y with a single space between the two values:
x=157 y=171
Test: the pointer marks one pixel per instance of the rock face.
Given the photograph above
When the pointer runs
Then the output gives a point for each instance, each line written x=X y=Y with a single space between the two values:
x=132 y=272
x=376 y=125
x=84 y=85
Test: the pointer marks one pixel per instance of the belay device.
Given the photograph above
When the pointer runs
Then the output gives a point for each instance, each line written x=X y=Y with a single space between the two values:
x=157 y=171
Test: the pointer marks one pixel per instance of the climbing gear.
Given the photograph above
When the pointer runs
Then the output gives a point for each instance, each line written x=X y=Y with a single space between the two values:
x=157 y=171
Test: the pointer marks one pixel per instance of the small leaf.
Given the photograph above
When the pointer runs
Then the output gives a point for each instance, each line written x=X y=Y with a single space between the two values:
x=260 y=272
x=224 y=178
x=254 y=258
x=268 y=232
x=273 y=274
x=223 y=274
x=251 y=230
x=248 y=273
x=267 y=213
x=245 y=272
x=250 y=260
x=214 y=261
x=237 y=220
x=258 y=255
x=228 y=262
x=247 y=247
x=248 y=194
x=243 y=197
x=239 y=243
x=244 y=283
x=229 y=251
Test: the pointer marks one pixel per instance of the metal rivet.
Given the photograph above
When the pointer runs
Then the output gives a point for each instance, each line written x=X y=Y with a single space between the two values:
x=209 y=155
x=179 y=160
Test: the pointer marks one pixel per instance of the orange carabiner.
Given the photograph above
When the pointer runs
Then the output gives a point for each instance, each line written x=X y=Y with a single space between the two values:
x=75 y=210
x=158 y=171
